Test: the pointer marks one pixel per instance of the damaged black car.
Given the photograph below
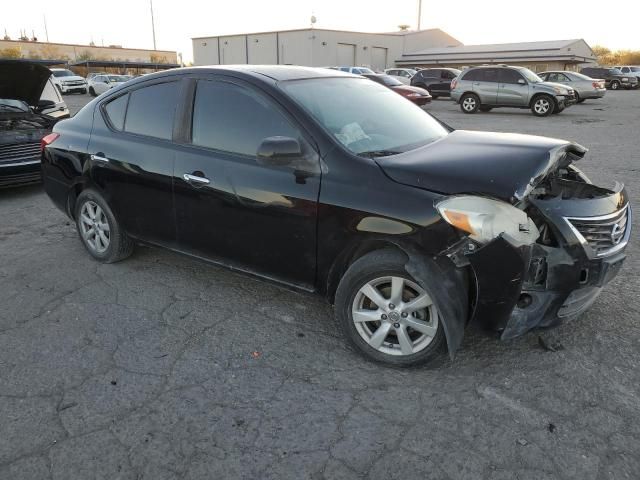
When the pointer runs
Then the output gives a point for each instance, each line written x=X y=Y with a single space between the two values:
x=329 y=183
x=23 y=122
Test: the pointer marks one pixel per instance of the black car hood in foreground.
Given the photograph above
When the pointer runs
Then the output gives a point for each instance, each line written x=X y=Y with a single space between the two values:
x=22 y=80
x=502 y=165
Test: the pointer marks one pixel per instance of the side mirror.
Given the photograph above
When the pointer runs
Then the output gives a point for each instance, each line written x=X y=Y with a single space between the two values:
x=278 y=151
x=45 y=104
x=521 y=81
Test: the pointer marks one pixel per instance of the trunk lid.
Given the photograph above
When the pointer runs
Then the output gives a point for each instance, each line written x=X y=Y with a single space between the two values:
x=22 y=80
x=502 y=165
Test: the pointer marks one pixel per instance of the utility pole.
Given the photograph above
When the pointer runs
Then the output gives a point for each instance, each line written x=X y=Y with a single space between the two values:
x=46 y=32
x=153 y=26
x=419 y=13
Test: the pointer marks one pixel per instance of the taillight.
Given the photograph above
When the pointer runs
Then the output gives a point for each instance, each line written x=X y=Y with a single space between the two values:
x=48 y=140
x=454 y=82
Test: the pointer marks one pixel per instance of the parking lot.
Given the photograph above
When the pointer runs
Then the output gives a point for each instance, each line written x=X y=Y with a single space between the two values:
x=163 y=367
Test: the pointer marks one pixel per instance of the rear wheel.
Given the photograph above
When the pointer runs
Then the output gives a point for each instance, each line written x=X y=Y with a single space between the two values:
x=100 y=232
x=543 y=105
x=386 y=314
x=469 y=103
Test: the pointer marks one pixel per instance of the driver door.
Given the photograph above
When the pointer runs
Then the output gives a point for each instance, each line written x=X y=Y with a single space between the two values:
x=230 y=208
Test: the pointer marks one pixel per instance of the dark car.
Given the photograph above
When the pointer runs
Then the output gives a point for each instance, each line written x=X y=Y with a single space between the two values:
x=331 y=183
x=613 y=78
x=22 y=125
x=419 y=96
x=436 y=80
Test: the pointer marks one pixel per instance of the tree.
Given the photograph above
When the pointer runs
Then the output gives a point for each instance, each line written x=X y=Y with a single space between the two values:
x=11 y=52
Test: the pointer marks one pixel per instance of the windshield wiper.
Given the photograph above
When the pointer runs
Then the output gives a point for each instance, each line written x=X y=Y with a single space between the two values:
x=378 y=153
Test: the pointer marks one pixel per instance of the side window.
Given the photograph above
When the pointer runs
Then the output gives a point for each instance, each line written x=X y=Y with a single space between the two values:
x=625 y=69
x=151 y=110
x=447 y=75
x=506 y=75
x=433 y=74
x=491 y=75
x=115 y=111
x=235 y=119
x=472 y=75
x=344 y=69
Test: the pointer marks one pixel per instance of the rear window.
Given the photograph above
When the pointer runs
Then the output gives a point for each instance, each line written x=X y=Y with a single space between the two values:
x=430 y=73
x=151 y=110
x=115 y=111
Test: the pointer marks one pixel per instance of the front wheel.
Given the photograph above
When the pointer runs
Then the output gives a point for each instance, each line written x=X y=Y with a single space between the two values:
x=100 y=232
x=92 y=92
x=543 y=105
x=615 y=85
x=386 y=314
x=469 y=103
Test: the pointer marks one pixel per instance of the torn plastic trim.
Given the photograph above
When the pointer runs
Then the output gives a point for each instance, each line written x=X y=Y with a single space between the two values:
x=450 y=293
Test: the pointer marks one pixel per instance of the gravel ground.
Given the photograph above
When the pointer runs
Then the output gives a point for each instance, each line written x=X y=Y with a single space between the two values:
x=162 y=367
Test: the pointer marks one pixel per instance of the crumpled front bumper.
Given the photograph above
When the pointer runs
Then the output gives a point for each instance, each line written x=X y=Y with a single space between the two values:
x=519 y=288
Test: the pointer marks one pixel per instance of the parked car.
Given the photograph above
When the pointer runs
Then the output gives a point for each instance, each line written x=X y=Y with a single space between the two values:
x=583 y=86
x=90 y=75
x=68 y=82
x=51 y=102
x=419 y=96
x=22 y=123
x=331 y=183
x=613 y=78
x=101 y=83
x=402 y=74
x=487 y=87
x=436 y=80
x=631 y=70
x=355 y=70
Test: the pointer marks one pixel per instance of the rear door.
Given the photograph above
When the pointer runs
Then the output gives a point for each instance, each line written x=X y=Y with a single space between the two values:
x=444 y=86
x=514 y=89
x=132 y=157
x=486 y=84
x=257 y=218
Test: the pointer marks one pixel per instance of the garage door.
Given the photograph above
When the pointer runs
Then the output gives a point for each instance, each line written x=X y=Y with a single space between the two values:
x=378 y=58
x=346 y=54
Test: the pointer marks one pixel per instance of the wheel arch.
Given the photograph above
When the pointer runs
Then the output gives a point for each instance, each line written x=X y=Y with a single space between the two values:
x=540 y=94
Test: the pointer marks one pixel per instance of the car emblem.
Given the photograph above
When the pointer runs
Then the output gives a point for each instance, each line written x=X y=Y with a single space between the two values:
x=616 y=234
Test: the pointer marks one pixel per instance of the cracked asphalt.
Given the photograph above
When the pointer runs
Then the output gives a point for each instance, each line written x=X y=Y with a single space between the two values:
x=163 y=367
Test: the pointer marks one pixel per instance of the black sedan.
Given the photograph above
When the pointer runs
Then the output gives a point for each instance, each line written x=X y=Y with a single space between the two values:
x=331 y=183
x=22 y=123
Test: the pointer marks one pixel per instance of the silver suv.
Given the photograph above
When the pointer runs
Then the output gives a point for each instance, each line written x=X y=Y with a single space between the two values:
x=484 y=88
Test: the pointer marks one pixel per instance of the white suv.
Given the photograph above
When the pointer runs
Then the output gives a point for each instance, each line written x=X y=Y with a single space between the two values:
x=631 y=70
x=402 y=74
x=68 y=82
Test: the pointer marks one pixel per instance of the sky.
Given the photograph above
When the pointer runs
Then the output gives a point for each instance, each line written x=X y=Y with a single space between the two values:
x=128 y=22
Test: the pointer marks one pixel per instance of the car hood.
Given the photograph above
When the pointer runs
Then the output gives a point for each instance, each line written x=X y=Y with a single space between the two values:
x=72 y=78
x=22 y=80
x=502 y=165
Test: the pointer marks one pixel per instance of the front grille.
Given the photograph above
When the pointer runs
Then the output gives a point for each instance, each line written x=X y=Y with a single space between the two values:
x=19 y=152
x=606 y=234
x=74 y=83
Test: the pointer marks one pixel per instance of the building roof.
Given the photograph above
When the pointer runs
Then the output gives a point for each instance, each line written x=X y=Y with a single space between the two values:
x=124 y=64
x=498 y=48
x=280 y=72
x=399 y=33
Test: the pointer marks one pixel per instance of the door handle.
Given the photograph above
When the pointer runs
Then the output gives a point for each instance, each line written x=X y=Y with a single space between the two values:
x=99 y=157
x=196 y=179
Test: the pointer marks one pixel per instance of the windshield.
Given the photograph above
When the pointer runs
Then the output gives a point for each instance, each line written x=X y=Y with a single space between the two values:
x=389 y=81
x=362 y=70
x=635 y=69
x=366 y=117
x=9 y=104
x=614 y=71
x=116 y=78
x=581 y=76
x=63 y=73
x=530 y=76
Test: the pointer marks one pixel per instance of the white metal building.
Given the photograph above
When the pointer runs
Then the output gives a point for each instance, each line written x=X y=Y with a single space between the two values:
x=316 y=47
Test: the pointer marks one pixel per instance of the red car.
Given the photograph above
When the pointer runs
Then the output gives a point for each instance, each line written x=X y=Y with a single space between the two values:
x=417 y=95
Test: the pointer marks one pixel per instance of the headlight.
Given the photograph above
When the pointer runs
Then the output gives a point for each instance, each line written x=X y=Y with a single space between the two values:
x=625 y=79
x=560 y=91
x=485 y=219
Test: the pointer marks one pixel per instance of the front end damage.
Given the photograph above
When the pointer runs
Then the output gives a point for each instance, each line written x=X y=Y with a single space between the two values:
x=582 y=232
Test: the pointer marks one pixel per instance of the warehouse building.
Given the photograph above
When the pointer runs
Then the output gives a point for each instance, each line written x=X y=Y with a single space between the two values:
x=537 y=56
x=423 y=48
x=316 y=47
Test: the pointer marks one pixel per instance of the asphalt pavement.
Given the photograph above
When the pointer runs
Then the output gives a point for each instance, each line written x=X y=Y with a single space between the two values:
x=163 y=367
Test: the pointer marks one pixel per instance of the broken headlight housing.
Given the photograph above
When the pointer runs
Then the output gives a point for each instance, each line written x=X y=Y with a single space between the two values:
x=485 y=219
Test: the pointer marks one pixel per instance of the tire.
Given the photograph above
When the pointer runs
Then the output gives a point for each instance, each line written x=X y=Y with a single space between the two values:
x=543 y=105
x=378 y=271
x=578 y=99
x=615 y=85
x=469 y=103
x=92 y=213
x=484 y=108
x=92 y=92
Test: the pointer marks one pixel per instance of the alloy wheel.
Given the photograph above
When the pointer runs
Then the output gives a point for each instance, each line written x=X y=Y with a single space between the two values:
x=395 y=316
x=542 y=106
x=94 y=227
x=469 y=104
